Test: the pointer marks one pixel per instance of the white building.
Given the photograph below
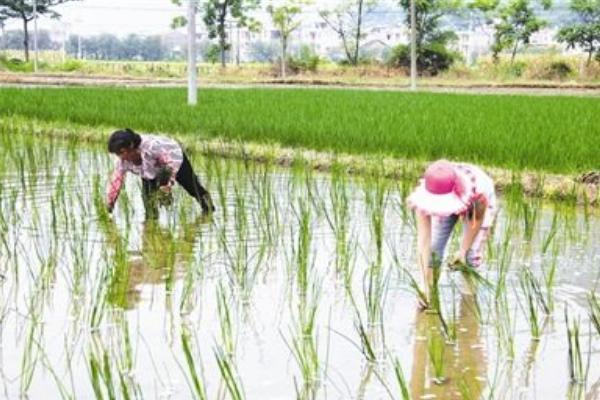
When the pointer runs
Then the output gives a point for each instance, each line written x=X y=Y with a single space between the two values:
x=472 y=44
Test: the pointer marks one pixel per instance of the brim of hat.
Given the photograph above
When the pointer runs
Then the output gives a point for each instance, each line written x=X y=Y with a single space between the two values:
x=440 y=205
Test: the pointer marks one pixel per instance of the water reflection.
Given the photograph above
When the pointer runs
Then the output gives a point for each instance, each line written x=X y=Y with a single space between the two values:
x=162 y=257
x=465 y=361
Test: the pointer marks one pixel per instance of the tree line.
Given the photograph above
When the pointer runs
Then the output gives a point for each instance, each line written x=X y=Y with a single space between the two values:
x=98 y=47
x=513 y=21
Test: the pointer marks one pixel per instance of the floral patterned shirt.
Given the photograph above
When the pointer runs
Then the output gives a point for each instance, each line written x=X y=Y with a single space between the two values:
x=482 y=187
x=157 y=152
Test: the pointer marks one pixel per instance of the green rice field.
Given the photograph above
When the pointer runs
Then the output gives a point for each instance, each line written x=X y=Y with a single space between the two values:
x=555 y=134
x=302 y=284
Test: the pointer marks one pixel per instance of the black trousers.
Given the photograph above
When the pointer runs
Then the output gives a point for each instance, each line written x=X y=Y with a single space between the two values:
x=186 y=177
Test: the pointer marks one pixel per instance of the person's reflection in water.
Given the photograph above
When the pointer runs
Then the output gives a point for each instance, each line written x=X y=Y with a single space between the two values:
x=464 y=362
x=161 y=251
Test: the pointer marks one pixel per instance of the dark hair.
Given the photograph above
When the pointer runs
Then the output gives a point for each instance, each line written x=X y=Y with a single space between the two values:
x=123 y=139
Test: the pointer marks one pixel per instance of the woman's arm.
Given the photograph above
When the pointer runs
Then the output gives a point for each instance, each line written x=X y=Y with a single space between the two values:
x=424 y=249
x=114 y=186
x=472 y=227
x=423 y=239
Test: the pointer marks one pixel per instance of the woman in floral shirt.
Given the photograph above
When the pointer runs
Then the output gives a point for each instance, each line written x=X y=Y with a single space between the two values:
x=160 y=162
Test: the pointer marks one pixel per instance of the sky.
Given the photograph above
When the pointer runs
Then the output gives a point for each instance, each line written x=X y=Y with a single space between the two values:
x=121 y=17
x=144 y=17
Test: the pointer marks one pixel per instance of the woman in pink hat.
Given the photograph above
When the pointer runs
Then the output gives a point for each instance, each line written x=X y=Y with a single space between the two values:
x=447 y=192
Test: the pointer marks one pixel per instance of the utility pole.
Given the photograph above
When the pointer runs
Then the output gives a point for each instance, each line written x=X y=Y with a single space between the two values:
x=64 y=44
x=413 y=46
x=231 y=41
x=237 y=47
x=191 y=65
x=35 y=37
x=3 y=42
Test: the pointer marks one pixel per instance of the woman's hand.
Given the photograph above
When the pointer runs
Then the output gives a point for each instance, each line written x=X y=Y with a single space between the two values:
x=459 y=258
x=165 y=188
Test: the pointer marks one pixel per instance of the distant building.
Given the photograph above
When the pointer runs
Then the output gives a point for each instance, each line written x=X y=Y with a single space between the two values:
x=474 y=43
x=545 y=38
x=379 y=38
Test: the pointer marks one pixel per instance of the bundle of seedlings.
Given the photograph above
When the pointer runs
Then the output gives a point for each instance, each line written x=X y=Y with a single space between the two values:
x=164 y=199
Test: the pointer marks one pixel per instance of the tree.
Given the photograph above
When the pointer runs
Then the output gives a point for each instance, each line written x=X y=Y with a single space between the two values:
x=284 y=19
x=216 y=13
x=215 y=19
x=431 y=40
x=347 y=21
x=585 y=33
x=23 y=10
x=517 y=23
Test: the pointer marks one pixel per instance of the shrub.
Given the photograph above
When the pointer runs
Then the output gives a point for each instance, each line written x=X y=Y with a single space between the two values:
x=16 y=65
x=558 y=70
x=432 y=59
x=307 y=60
x=516 y=69
x=71 y=65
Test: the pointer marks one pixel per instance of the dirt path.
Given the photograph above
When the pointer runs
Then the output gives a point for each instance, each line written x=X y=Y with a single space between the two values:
x=65 y=80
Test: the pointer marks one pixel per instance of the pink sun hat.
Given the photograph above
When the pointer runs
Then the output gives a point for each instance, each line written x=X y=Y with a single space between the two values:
x=442 y=191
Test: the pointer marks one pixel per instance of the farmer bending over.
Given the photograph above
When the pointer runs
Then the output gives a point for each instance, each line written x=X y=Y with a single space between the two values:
x=160 y=162
x=447 y=192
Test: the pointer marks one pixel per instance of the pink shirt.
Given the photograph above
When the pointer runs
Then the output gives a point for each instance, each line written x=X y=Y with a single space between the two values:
x=482 y=190
x=157 y=152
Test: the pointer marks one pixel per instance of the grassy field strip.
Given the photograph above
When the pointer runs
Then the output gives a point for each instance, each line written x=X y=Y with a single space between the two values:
x=552 y=134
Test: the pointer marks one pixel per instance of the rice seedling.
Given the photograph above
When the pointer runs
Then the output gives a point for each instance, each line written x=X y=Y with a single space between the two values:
x=193 y=276
x=535 y=301
x=551 y=233
x=305 y=351
x=229 y=374
x=414 y=285
x=304 y=345
x=577 y=370
x=64 y=393
x=367 y=345
x=197 y=385
x=547 y=299
x=505 y=326
x=527 y=285
x=434 y=286
x=594 y=312
x=402 y=383
x=376 y=196
x=338 y=221
x=374 y=292
x=302 y=250
x=242 y=265
x=436 y=348
x=225 y=322
x=100 y=371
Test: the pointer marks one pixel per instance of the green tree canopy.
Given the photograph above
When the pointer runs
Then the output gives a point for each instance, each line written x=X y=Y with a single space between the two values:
x=585 y=33
x=284 y=18
x=518 y=22
x=347 y=21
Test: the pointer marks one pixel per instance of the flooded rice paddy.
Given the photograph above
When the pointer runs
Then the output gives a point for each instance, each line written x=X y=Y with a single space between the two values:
x=299 y=286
